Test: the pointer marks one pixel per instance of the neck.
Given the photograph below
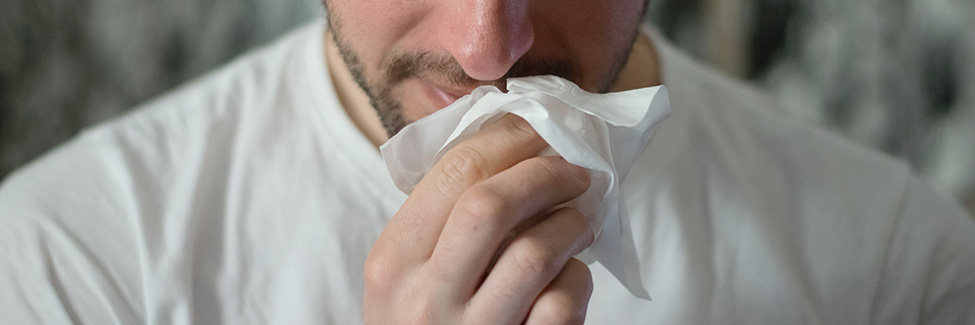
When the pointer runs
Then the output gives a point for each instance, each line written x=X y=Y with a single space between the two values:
x=641 y=70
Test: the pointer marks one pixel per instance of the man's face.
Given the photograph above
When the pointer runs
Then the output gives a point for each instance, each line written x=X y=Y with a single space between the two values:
x=414 y=57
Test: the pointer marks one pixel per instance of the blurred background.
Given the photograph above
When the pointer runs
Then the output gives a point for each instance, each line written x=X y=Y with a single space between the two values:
x=895 y=75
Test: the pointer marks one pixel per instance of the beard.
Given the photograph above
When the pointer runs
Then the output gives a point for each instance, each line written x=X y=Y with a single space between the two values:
x=395 y=68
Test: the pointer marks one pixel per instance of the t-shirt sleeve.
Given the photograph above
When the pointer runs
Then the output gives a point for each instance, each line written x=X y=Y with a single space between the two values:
x=67 y=244
x=929 y=270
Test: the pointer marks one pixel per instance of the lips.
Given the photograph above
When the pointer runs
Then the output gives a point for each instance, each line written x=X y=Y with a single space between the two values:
x=441 y=96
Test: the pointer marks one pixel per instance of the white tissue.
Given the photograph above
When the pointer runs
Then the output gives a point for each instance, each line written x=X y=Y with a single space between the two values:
x=602 y=132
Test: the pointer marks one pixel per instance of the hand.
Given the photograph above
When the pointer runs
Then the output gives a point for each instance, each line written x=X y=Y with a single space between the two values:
x=479 y=240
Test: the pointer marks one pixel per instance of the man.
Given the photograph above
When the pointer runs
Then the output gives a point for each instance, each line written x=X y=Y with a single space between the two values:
x=257 y=194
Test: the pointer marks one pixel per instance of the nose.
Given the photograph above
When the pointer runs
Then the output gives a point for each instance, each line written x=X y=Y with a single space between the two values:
x=487 y=37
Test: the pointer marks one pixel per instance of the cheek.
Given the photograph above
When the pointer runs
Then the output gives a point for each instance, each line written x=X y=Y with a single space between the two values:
x=595 y=33
x=618 y=23
x=372 y=27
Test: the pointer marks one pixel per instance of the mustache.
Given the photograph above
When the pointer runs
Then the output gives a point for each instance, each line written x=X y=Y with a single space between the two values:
x=444 y=68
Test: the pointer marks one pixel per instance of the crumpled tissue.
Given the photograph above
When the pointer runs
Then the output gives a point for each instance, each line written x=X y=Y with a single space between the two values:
x=602 y=132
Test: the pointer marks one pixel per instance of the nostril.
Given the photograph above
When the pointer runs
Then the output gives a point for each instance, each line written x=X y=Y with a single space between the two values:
x=482 y=62
x=489 y=41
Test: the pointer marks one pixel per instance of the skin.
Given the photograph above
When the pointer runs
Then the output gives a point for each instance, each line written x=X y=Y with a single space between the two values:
x=480 y=239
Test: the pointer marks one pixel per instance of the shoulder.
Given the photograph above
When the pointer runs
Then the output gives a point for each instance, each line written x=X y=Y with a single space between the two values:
x=82 y=220
x=67 y=233
x=176 y=130
x=179 y=129
x=823 y=222
x=929 y=265
x=262 y=82
x=744 y=138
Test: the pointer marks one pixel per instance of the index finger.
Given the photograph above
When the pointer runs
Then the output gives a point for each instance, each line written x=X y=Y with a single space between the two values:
x=415 y=228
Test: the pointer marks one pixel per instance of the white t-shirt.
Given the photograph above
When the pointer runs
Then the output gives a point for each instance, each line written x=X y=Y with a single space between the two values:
x=248 y=196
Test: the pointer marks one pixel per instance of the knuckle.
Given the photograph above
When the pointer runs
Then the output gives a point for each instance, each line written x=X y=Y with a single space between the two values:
x=532 y=256
x=549 y=167
x=379 y=273
x=463 y=165
x=480 y=206
x=519 y=127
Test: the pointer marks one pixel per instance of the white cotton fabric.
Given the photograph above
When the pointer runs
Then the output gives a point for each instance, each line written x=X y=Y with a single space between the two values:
x=602 y=132
x=248 y=196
